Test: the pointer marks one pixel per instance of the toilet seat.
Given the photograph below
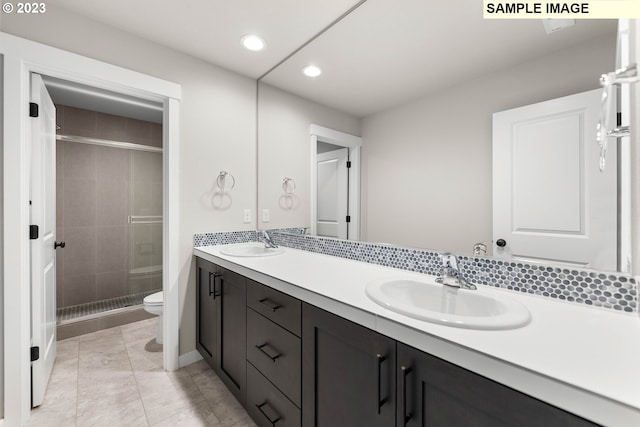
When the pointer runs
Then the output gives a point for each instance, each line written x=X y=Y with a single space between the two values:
x=154 y=299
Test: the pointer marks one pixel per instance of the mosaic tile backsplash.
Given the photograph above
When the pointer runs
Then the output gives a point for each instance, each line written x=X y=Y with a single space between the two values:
x=612 y=291
x=224 y=238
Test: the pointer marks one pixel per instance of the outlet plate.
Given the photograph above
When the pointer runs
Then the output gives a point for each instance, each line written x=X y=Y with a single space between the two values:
x=265 y=215
x=246 y=216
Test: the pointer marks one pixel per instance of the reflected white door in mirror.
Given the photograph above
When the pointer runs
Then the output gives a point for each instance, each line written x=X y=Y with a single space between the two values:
x=550 y=200
x=335 y=183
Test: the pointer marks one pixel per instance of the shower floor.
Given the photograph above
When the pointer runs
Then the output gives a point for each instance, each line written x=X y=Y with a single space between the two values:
x=76 y=313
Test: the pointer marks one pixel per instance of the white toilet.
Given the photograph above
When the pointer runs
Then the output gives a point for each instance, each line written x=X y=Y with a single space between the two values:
x=154 y=304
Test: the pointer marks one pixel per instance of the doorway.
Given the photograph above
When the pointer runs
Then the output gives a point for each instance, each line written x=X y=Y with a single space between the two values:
x=335 y=183
x=107 y=196
x=332 y=174
x=21 y=58
x=109 y=206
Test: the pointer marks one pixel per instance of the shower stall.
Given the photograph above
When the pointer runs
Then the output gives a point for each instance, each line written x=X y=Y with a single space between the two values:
x=109 y=214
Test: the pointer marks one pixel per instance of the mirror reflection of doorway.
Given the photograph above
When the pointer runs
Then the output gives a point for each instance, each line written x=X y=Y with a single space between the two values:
x=332 y=191
x=335 y=183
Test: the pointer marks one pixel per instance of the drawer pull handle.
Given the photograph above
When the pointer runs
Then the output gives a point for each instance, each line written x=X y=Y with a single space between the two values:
x=213 y=283
x=269 y=304
x=273 y=420
x=380 y=402
x=272 y=357
x=406 y=417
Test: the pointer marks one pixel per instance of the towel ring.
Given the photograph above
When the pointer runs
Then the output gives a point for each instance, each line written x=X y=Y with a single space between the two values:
x=288 y=185
x=221 y=181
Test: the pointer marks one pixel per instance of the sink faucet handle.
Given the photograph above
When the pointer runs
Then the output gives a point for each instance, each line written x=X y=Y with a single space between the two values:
x=449 y=260
x=266 y=239
x=451 y=273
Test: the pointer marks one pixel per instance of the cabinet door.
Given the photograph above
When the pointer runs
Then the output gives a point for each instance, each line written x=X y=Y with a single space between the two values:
x=348 y=372
x=232 y=332
x=433 y=392
x=206 y=311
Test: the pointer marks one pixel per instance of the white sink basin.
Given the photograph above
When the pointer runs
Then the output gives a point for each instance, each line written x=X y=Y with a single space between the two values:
x=250 y=249
x=433 y=302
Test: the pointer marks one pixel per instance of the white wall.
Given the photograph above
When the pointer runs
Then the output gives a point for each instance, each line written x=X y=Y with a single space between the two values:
x=217 y=127
x=426 y=177
x=284 y=151
x=1 y=245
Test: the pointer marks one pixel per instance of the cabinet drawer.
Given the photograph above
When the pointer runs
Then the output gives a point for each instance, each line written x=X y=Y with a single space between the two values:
x=276 y=353
x=266 y=405
x=286 y=311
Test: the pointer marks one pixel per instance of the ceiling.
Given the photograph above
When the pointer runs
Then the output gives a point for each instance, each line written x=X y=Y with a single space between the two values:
x=77 y=95
x=387 y=52
x=211 y=29
x=384 y=53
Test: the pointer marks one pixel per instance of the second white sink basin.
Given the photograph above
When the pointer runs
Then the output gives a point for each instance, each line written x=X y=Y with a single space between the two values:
x=250 y=249
x=433 y=302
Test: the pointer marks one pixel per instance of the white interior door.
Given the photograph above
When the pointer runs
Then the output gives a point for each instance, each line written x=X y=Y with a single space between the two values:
x=550 y=201
x=43 y=259
x=332 y=193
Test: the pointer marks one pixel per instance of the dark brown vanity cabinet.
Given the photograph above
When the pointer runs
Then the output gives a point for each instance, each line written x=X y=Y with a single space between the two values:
x=348 y=373
x=221 y=324
x=433 y=392
x=291 y=364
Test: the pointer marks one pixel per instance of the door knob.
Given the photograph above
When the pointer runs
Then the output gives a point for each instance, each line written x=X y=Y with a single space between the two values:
x=59 y=244
x=501 y=242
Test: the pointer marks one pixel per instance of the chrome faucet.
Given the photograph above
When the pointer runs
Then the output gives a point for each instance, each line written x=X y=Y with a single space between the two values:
x=266 y=239
x=451 y=273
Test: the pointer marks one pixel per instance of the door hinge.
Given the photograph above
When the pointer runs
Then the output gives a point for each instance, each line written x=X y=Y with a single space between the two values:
x=348 y=218
x=34 y=231
x=35 y=353
x=33 y=109
x=348 y=164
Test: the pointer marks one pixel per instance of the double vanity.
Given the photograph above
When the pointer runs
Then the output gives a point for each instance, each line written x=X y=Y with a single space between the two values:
x=302 y=338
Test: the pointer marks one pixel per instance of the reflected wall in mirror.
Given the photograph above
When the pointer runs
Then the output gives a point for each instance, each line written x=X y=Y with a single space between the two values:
x=419 y=82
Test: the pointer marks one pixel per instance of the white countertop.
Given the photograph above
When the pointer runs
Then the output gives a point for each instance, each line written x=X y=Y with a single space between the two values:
x=584 y=360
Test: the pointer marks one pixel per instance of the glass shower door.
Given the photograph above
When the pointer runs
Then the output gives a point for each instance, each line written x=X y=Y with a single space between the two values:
x=145 y=223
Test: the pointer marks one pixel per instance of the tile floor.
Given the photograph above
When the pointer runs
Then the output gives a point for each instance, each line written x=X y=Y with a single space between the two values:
x=114 y=377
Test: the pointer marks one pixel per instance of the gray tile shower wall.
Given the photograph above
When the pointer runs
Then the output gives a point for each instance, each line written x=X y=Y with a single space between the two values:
x=98 y=187
x=606 y=290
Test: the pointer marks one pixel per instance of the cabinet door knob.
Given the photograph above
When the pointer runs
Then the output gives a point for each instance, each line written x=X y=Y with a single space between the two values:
x=57 y=245
x=501 y=242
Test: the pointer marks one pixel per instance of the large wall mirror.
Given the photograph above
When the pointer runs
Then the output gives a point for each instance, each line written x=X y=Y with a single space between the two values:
x=419 y=83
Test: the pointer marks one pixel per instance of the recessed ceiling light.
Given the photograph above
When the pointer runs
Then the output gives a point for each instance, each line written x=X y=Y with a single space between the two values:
x=253 y=42
x=311 y=71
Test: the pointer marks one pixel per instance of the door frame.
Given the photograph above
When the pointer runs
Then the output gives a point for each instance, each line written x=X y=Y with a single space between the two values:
x=353 y=143
x=21 y=57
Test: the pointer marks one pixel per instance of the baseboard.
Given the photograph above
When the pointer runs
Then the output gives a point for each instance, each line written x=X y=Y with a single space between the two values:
x=189 y=358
